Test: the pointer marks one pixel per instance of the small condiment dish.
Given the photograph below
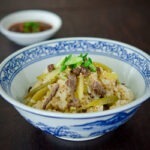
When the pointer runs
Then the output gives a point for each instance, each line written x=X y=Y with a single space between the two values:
x=27 y=16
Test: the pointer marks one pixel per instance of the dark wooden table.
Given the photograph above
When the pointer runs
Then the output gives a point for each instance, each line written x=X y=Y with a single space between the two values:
x=123 y=20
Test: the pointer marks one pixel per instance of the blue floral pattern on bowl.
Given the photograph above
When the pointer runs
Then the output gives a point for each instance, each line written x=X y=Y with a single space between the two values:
x=94 y=128
x=110 y=49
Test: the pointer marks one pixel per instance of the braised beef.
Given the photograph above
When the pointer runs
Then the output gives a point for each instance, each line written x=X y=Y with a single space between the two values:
x=50 y=67
x=52 y=94
x=74 y=102
x=76 y=71
x=98 y=88
x=85 y=71
x=72 y=82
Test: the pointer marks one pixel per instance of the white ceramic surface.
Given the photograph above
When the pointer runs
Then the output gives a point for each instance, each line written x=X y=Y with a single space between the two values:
x=19 y=71
x=30 y=15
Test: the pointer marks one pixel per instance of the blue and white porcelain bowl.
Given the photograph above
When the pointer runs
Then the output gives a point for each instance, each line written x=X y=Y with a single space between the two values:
x=19 y=71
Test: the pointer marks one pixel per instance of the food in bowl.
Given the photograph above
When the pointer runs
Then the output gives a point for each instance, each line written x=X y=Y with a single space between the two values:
x=20 y=69
x=76 y=84
x=30 y=18
x=30 y=27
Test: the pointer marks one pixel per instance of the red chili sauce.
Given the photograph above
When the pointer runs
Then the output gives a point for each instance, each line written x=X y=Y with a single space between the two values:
x=30 y=27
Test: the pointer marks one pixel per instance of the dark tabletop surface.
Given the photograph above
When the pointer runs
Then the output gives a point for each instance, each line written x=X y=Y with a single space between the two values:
x=123 y=20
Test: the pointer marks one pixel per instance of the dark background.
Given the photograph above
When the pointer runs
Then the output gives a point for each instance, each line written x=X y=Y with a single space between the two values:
x=124 y=20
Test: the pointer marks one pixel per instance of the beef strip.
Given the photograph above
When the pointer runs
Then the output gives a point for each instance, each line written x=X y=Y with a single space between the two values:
x=74 y=102
x=72 y=82
x=50 y=67
x=85 y=71
x=52 y=94
x=76 y=71
x=98 y=89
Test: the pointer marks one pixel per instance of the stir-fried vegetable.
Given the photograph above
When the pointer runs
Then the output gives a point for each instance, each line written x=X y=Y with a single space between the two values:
x=34 y=90
x=40 y=94
x=101 y=65
x=102 y=101
x=110 y=75
x=80 y=87
x=50 y=76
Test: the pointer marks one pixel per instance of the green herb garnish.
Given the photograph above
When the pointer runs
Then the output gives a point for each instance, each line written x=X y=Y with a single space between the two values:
x=73 y=61
x=31 y=27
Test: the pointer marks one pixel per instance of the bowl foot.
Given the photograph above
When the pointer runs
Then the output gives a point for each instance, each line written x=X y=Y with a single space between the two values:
x=79 y=139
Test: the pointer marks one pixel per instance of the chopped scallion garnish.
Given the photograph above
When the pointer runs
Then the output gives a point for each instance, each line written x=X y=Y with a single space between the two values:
x=73 y=61
x=31 y=27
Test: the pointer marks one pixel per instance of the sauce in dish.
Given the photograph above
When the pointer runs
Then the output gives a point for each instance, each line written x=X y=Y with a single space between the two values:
x=76 y=84
x=30 y=27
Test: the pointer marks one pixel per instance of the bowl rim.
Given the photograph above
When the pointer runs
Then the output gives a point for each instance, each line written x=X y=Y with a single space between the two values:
x=23 y=107
x=27 y=35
